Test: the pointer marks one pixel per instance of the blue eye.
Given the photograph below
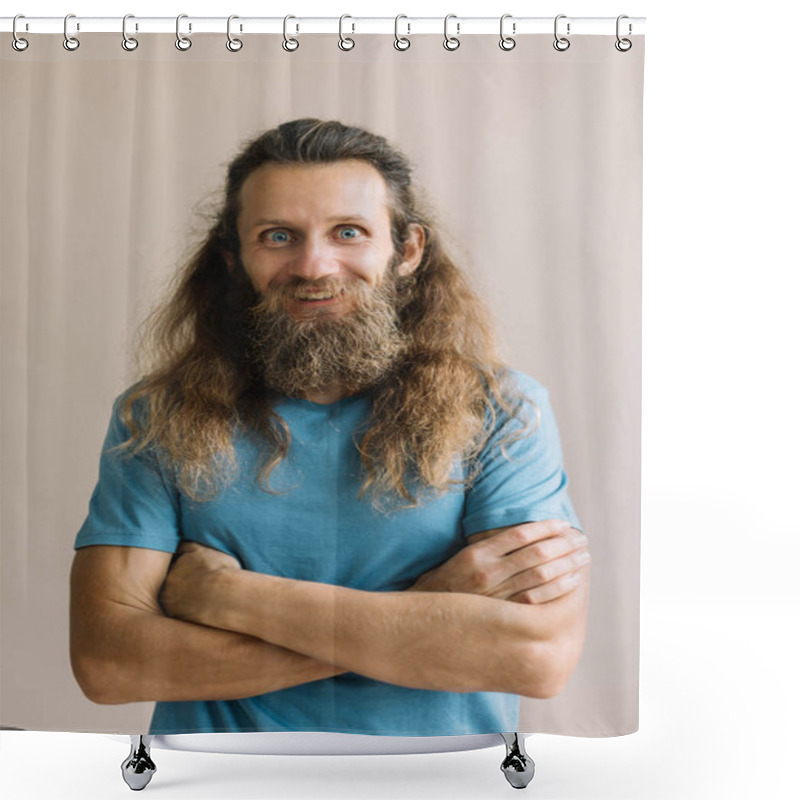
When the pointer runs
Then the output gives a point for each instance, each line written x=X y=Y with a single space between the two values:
x=279 y=237
x=349 y=232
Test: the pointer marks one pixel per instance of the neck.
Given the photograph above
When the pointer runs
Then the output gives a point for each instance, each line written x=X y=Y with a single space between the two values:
x=330 y=394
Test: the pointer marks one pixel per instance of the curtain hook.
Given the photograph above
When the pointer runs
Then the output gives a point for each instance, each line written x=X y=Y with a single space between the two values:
x=17 y=42
x=451 y=42
x=182 y=42
x=290 y=44
x=506 y=42
x=70 y=42
x=345 y=42
x=234 y=45
x=400 y=42
x=561 y=43
x=129 y=43
x=623 y=45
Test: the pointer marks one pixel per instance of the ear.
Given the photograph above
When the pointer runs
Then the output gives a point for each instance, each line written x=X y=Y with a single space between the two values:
x=413 y=249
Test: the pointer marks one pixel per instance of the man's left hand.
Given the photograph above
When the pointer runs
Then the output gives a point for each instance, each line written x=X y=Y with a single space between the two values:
x=183 y=596
x=529 y=563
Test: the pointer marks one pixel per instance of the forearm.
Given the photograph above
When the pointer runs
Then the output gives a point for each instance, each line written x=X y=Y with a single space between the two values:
x=449 y=642
x=132 y=655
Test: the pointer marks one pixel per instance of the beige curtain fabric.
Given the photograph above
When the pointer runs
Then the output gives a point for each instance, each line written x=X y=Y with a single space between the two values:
x=109 y=159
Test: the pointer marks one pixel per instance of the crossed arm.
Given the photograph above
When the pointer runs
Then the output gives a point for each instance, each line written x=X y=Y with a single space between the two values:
x=507 y=613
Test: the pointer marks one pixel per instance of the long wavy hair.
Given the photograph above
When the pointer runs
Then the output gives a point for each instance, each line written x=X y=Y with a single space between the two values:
x=439 y=403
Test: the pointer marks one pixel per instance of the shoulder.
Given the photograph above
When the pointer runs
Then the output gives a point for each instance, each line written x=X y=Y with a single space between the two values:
x=520 y=383
x=523 y=397
x=132 y=405
x=129 y=426
x=514 y=407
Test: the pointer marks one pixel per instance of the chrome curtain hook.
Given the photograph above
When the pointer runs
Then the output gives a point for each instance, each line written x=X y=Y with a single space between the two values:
x=345 y=42
x=623 y=45
x=451 y=42
x=234 y=45
x=561 y=43
x=70 y=42
x=289 y=44
x=17 y=42
x=182 y=42
x=506 y=42
x=400 y=42
x=129 y=43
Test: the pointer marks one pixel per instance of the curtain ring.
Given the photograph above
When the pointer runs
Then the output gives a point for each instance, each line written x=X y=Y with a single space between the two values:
x=345 y=42
x=561 y=43
x=506 y=42
x=129 y=43
x=17 y=42
x=182 y=42
x=70 y=42
x=234 y=45
x=400 y=42
x=451 y=42
x=623 y=45
x=289 y=44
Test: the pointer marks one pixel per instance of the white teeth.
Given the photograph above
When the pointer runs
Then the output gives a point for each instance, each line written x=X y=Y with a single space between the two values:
x=318 y=295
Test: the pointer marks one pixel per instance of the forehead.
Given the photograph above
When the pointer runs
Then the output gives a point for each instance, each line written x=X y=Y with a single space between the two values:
x=305 y=191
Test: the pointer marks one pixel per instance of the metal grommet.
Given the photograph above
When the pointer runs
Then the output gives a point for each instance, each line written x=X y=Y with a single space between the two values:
x=451 y=42
x=345 y=42
x=182 y=42
x=289 y=44
x=129 y=43
x=17 y=42
x=506 y=42
x=623 y=45
x=561 y=43
x=70 y=42
x=234 y=45
x=400 y=42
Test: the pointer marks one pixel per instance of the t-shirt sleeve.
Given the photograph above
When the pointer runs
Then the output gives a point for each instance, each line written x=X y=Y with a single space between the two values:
x=133 y=503
x=521 y=478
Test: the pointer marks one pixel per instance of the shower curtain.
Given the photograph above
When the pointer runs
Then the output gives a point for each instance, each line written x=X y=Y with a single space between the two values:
x=113 y=162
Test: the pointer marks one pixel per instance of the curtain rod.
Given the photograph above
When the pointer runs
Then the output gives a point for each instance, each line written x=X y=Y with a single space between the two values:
x=406 y=25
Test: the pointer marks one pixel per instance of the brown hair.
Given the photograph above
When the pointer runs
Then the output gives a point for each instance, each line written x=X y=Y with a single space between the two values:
x=439 y=403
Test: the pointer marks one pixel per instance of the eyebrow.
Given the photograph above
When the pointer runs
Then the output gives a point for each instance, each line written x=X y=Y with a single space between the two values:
x=286 y=224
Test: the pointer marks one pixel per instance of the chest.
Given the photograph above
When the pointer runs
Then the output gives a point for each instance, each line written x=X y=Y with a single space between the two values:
x=312 y=525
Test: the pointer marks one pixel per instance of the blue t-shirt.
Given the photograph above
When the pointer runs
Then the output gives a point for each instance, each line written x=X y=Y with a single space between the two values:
x=315 y=528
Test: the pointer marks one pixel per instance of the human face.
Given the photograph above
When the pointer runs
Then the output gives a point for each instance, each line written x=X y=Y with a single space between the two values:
x=309 y=231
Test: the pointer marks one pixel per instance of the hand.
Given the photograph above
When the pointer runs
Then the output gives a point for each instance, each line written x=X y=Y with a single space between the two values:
x=182 y=595
x=534 y=562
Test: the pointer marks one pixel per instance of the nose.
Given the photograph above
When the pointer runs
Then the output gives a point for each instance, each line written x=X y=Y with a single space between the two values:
x=313 y=260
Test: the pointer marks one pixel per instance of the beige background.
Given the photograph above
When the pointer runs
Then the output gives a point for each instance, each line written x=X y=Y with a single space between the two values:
x=533 y=159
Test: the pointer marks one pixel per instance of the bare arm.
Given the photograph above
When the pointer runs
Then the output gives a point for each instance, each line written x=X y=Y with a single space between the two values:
x=124 y=649
x=446 y=640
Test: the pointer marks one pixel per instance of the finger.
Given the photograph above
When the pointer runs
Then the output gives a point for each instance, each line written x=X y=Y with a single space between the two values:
x=527 y=531
x=548 y=549
x=526 y=567
x=542 y=574
x=521 y=535
x=549 y=591
x=544 y=551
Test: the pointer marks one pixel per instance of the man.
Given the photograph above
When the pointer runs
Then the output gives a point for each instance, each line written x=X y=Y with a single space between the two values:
x=368 y=511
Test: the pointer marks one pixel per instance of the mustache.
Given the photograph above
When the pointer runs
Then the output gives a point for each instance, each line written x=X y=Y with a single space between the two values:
x=272 y=300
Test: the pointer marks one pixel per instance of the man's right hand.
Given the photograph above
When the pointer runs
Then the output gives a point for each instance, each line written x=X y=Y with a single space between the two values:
x=534 y=562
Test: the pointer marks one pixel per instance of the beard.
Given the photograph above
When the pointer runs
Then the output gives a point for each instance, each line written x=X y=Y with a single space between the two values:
x=356 y=349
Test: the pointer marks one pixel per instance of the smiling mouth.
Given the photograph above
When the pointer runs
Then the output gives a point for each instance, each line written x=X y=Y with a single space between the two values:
x=310 y=296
